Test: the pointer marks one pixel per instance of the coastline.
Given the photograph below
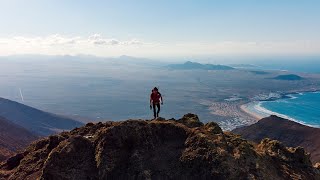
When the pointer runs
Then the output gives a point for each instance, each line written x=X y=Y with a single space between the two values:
x=245 y=109
x=233 y=114
x=289 y=95
x=255 y=110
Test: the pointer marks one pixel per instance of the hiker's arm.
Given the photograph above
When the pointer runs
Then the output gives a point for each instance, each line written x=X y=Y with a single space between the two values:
x=161 y=99
x=150 y=101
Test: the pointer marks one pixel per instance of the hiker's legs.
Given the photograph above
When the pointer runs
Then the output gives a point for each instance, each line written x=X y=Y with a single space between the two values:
x=158 y=106
x=154 y=110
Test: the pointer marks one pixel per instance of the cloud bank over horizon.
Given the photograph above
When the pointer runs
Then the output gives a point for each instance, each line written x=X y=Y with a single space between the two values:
x=99 y=45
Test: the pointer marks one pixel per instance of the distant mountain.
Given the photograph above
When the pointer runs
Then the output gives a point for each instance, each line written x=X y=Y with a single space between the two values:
x=36 y=121
x=112 y=61
x=13 y=138
x=243 y=66
x=260 y=72
x=194 y=65
x=288 y=132
x=288 y=77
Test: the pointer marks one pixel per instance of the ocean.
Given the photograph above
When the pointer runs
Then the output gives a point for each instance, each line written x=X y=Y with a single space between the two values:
x=303 y=108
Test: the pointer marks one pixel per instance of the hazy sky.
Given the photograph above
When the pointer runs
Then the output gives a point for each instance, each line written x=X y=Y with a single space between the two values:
x=160 y=28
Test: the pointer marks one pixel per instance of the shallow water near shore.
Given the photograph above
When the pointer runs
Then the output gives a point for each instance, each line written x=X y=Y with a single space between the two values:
x=303 y=108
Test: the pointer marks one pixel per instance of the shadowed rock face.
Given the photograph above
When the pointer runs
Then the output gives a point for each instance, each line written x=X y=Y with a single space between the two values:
x=288 y=132
x=13 y=138
x=166 y=149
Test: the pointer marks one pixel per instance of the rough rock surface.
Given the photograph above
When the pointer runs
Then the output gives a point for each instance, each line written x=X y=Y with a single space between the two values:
x=166 y=149
x=288 y=132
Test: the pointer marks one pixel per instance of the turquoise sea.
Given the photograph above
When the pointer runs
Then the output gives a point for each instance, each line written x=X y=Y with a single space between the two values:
x=303 y=108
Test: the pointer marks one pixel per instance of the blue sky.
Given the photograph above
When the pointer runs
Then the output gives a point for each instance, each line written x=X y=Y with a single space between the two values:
x=153 y=28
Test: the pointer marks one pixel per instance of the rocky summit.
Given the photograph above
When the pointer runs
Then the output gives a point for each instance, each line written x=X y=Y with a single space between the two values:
x=157 y=149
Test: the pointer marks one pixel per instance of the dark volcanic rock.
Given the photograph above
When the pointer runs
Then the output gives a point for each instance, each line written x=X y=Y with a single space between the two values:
x=190 y=120
x=288 y=132
x=81 y=164
x=166 y=149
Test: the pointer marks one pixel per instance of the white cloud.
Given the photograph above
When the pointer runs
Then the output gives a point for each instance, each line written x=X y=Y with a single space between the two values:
x=99 y=40
x=58 y=44
x=56 y=39
x=100 y=45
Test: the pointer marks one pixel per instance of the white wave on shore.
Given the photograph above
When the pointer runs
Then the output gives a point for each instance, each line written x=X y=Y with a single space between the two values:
x=261 y=109
x=292 y=96
x=257 y=109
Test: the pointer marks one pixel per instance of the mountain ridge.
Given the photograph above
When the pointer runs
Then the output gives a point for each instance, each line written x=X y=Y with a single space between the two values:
x=157 y=149
x=34 y=120
x=194 y=65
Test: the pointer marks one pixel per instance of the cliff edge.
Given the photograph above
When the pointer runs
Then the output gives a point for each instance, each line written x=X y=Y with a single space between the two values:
x=158 y=149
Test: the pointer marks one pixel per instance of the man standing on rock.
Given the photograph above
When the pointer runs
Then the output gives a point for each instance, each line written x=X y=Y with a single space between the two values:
x=155 y=99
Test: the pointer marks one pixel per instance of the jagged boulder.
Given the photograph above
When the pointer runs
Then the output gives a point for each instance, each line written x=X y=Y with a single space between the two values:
x=166 y=149
x=213 y=128
x=190 y=120
x=275 y=148
x=29 y=164
x=14 y=161
x=81 y=164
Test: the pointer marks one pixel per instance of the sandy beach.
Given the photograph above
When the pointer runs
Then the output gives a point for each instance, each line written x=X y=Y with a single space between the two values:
x=245 y=109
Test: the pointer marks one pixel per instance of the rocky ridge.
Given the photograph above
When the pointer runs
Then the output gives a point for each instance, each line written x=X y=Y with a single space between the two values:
x=288 y=132
x=157 y=149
